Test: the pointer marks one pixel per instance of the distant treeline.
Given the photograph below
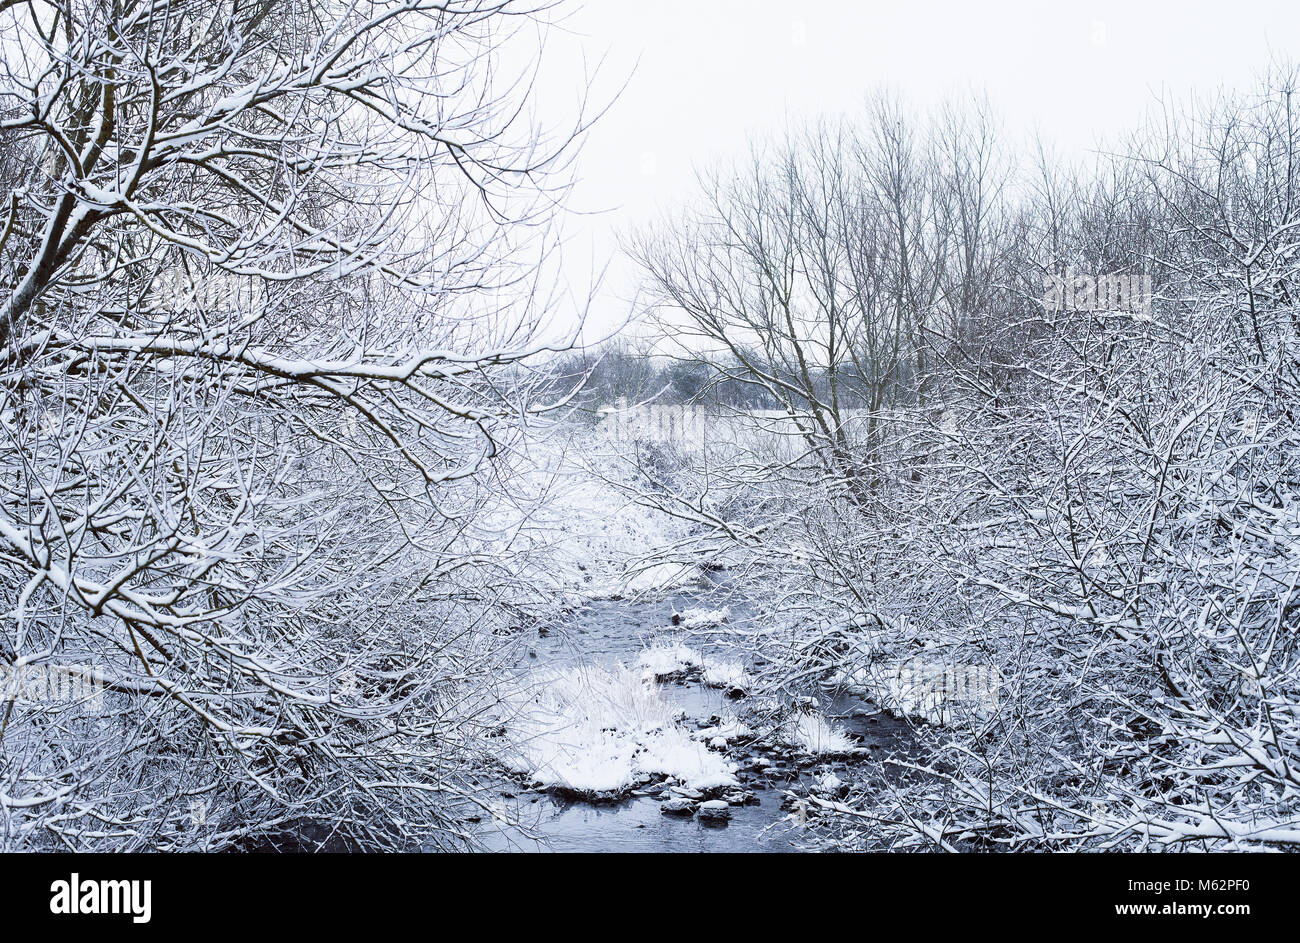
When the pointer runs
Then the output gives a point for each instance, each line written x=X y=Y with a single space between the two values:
x=621 y=369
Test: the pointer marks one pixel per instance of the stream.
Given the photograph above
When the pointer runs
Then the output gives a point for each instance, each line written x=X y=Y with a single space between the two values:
x=606 y=632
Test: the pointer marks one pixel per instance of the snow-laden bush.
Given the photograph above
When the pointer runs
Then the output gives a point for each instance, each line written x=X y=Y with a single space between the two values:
x=1068 y=546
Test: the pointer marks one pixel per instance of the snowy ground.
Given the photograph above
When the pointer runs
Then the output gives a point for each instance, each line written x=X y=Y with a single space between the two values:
x=576 y=532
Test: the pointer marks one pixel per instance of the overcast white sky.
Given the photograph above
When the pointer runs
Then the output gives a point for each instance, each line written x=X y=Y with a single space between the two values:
x=704 y=75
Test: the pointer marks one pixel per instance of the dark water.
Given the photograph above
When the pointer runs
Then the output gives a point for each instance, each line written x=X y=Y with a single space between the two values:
x=610 y=631
x=637 y=825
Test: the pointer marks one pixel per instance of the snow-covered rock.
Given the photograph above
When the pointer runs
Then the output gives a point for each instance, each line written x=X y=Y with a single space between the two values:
x=667 y=660
x=714 y=809
x=677 y=807
x=729 y=675
x=595 y=731
x=703 y=618
x=829 y=783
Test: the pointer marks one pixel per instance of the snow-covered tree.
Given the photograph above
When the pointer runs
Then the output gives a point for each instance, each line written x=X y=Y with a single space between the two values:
x=265 y=269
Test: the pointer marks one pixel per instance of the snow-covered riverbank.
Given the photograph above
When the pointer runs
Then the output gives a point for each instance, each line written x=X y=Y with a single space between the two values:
x=616 y=739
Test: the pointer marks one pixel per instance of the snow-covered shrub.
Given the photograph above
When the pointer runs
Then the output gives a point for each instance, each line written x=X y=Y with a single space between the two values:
x=1076 y=526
